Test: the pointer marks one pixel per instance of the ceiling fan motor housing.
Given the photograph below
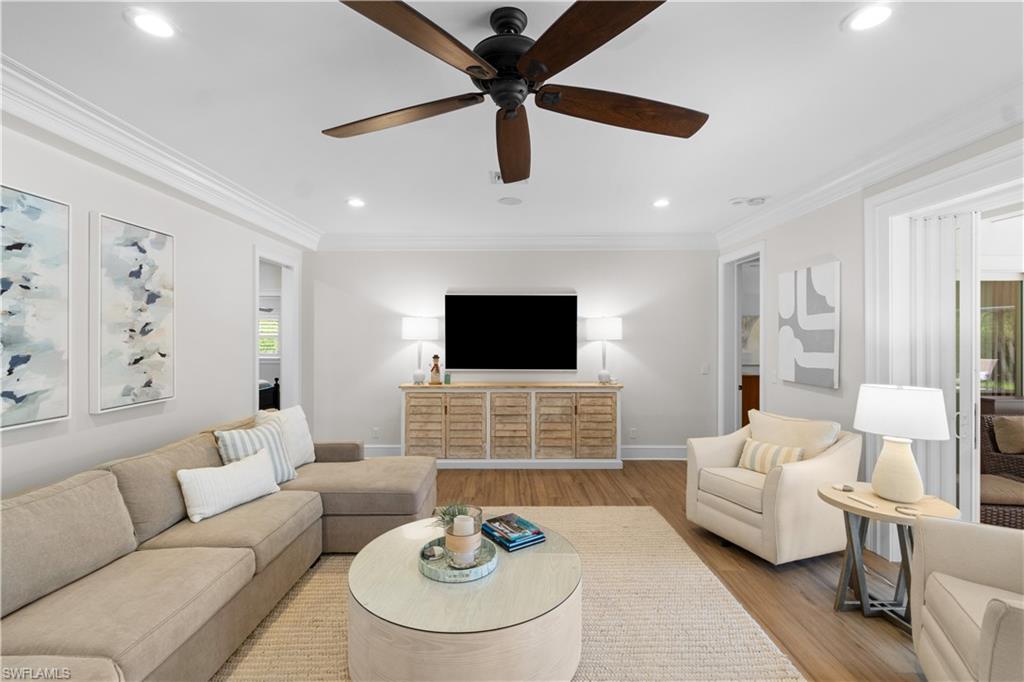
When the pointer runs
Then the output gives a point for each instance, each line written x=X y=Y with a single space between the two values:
x=502 y=51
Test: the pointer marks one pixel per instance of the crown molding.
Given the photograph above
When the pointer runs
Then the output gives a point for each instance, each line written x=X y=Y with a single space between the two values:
x=41 y=102
x=648 y=241
x=982 y=118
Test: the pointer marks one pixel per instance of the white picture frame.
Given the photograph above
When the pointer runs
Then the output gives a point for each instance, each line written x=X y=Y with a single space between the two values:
x=65 y=413
x=113 y=339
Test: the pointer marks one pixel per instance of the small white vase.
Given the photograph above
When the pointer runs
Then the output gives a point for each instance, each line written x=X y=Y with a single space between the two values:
x=896 y=476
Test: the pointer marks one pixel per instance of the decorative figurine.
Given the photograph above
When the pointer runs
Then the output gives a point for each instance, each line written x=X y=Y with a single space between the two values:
x=435 y=371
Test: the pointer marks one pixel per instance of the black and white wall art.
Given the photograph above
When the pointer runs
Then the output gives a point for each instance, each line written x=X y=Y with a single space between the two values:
x=133 y=318
x=34 y=309
x=809 y=325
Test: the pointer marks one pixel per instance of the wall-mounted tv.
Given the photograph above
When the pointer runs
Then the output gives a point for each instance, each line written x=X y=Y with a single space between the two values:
x=510 y=332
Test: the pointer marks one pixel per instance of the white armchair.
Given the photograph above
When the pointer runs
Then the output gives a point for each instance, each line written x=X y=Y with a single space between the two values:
x=967 y=600
x=777 y=516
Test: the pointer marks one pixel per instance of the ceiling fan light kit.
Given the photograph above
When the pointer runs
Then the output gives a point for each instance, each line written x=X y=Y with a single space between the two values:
x=508 y=67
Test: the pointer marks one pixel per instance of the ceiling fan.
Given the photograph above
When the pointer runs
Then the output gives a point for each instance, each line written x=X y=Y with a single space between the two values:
x=509 y=66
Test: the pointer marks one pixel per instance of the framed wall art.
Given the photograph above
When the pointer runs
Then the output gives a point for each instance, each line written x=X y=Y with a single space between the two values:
x=133 y=352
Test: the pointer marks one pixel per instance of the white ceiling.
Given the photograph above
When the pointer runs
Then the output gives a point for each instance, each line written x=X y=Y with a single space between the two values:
x=246 y=88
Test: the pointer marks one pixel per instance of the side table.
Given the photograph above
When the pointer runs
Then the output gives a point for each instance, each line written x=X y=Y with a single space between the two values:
x=857 y=516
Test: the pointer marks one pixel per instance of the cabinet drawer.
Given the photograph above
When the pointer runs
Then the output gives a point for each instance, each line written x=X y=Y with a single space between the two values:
x=556 y=425
x=424 y=425
x=596 y=426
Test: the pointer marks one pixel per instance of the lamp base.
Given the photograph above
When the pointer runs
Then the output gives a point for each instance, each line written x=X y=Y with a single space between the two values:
x=419 y=376
x=896 y=476
x=604 y=376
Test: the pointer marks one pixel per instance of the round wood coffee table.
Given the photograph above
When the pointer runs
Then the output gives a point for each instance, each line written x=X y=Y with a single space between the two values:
x=522 y=622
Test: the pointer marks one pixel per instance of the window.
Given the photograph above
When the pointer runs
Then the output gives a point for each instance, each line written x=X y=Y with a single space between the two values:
x=268 y=332
x=1001 y=315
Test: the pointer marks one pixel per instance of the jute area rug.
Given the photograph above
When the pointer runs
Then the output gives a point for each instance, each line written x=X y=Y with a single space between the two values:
x=651 y=611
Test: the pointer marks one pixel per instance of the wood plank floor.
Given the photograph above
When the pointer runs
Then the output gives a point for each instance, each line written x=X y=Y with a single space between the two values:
x=793 y=602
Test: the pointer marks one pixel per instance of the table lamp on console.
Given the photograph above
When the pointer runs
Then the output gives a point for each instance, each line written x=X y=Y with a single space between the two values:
x=420 y=329
x=900 y=414
x=604 y=329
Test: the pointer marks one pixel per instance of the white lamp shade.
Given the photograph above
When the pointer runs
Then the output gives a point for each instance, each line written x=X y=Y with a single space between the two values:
x=420 y=328
x=604 y=329
x=902 y=412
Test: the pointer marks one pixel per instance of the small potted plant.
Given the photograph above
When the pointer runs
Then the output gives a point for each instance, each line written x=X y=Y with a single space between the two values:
x=461 y=523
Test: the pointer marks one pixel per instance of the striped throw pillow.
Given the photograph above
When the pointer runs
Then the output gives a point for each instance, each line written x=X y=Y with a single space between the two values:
x=241 y=443
x=763 y=457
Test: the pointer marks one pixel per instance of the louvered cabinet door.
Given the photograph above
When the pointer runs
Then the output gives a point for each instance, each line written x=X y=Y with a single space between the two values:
x=465 y=431
x=510 y=426
x=424 y=424
x=556 y=419
x=596 y=426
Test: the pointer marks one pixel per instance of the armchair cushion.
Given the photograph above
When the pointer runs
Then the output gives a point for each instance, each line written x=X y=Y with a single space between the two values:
x=959 y=609
x=813 y=436
x=1009 y=434
x=744 y=487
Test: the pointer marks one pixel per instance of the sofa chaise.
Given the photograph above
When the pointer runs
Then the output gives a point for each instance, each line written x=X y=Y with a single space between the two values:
x=105 y=579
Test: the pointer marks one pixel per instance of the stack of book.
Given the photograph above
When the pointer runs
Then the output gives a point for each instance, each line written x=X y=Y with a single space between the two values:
x=512 y=532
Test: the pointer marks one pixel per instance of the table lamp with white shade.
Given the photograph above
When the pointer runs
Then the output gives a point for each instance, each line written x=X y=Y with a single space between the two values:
x=420 y=329
x=900 y=414
x=604 y=329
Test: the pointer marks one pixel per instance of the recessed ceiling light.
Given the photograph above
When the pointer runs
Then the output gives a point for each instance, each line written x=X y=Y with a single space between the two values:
x=149 y=22
x=356 y=202
x=510 y=201
x=867 y=17
x=661 y=203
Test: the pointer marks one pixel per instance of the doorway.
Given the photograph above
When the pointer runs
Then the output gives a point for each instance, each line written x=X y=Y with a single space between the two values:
x=741 y=336
x=276 y=340
x=923 y=310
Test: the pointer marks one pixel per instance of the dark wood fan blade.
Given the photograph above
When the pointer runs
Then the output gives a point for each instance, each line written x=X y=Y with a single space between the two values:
x=624 y=111
x=513 y=132
x=583 y=28
x=405 y=22
x=403 y=116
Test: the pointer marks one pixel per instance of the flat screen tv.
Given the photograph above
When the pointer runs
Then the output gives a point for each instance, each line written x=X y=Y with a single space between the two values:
x=510 y=332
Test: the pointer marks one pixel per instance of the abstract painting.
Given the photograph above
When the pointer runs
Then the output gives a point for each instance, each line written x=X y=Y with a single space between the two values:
x=809 y=325
x=34 y=309
x=133 y=363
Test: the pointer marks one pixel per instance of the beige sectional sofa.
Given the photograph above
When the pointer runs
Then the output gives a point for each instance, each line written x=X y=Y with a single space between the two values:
x=103 y=577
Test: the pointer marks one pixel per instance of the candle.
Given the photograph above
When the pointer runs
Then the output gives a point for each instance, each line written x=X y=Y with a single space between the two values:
x=463 y=540
x=463 y=525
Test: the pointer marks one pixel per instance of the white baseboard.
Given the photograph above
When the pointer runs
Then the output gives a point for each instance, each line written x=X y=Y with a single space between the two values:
x=642 y=452
x=377 y=450
x=630 y=452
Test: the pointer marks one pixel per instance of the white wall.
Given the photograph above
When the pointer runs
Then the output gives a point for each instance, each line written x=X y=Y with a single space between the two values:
x=213 y=315
x=835 y=232
x=355 y=302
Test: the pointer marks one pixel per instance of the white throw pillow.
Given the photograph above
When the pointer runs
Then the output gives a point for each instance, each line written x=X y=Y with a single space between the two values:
x=241 y=443
x=298 y=443
x=212 y=490
x=813 y=436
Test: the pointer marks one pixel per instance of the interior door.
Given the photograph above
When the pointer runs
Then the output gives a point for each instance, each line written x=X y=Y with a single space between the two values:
x=968 y=400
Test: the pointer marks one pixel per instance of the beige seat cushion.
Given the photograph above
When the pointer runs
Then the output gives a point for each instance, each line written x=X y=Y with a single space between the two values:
x=59 y=533
x=266 y=526
x=1009 y=432
x=135 y=611
x=813 y=436
x=744 y=487
x=385 y=485
x=958 y=607
x=1001 y=490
